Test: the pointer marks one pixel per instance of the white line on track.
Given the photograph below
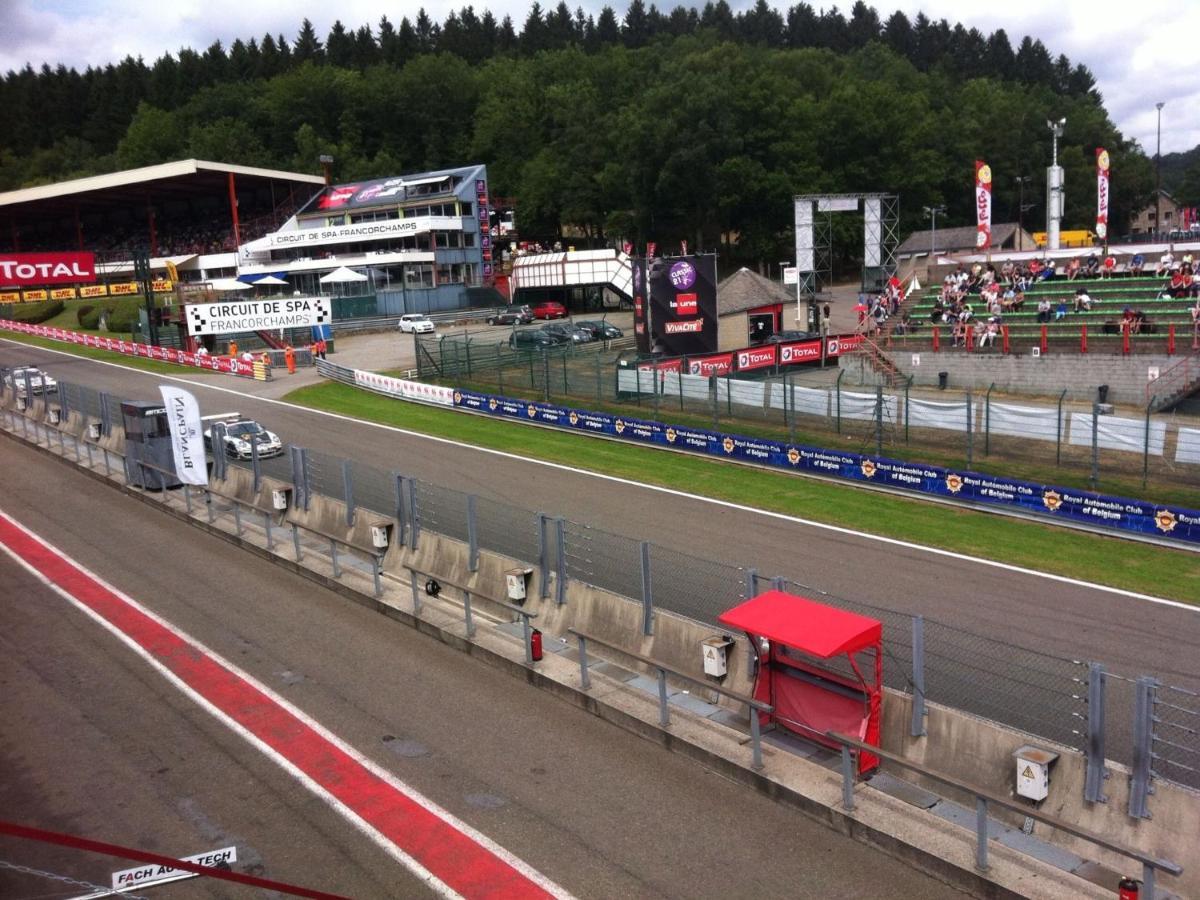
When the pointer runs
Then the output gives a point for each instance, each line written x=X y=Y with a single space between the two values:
x=358 y=822
x=725 y=504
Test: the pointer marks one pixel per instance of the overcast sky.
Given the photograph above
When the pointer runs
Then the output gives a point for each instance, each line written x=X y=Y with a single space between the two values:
x=1137 y=61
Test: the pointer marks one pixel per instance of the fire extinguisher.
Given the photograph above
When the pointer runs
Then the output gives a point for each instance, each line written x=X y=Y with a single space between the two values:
x=535 y=649
x=1128 y=888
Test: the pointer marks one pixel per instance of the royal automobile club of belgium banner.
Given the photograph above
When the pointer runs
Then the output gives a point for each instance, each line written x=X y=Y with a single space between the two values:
x=1045 y=500
x=683 y=304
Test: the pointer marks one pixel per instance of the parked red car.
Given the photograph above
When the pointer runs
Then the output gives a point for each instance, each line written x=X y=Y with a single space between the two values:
x=550 y=309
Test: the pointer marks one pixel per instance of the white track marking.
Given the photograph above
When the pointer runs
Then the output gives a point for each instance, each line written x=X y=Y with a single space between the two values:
x=418 y=870
x=725 y=504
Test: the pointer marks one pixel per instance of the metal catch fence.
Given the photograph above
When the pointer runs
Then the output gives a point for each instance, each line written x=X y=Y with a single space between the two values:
x=1152 y=727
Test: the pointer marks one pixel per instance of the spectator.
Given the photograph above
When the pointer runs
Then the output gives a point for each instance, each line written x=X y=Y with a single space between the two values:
x=1043 y=310
x=1166 y=263
x=1093 y=265
x=1109 y=268
x=1083 y=303
x=988 y=336
x=938 y=314
x=1035 y=269
x=1073 y=268
x=1178 y=286
x=1048 y=271
x=1060 y=311
x=1137 y=264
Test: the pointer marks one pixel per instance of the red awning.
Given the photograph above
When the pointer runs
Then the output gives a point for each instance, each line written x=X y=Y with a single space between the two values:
x=811 y=627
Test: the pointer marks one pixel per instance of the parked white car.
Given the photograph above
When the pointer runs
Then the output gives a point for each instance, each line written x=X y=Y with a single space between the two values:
x=416 y=323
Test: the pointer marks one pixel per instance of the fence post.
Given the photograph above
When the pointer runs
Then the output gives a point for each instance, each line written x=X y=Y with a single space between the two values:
x=987 y=420
x=791 y=389
x=499 y=372
x=532 y=380
x=414 y=515
x=348 y=485
x=467 y=351
x=398 y=488
x=599 y=378
x=1095 y=477
x=847 y=778
x=1058 y=437
x=838 y=389
x=1093 y=786
x=293 y=458
x=255 y=463
x=560 y=577
x=751 y=583
x=907 y=386
x=879 y=420
x=545 y=375
x=566 y=384
x=713 y=393
x=1146 y=443
x=1140 y=787
x=970 y=430
x=918 y=677
x=981 y=834
x=472 y=536
x=307 y=476
x=544 y=554
x=647 y=591
x=105 y=415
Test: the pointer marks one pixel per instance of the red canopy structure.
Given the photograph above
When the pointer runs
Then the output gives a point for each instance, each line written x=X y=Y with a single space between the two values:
x=799 y=642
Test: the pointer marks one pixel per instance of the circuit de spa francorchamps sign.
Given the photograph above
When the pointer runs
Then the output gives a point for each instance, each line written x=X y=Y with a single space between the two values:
x=257 y=315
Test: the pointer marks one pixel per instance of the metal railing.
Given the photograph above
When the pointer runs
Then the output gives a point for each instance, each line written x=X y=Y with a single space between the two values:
x=662 y=670
x=433 y=587
x=1034 y=692
x=984 y=799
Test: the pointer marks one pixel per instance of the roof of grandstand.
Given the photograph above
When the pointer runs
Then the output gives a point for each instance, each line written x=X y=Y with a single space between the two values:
x=746 y=289
x=174 y=180
x=950 y=240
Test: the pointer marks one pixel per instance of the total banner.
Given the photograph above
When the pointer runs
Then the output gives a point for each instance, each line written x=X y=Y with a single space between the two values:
x=223 y=364
x=983 y=205
x=20 y=269
x=1102 y=169
x=1048 y=501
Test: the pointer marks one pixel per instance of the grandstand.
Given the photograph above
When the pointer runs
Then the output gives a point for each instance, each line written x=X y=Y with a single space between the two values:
x=189 y=208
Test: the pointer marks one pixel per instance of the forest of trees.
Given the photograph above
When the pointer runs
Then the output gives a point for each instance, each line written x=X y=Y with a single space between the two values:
x=689 y=124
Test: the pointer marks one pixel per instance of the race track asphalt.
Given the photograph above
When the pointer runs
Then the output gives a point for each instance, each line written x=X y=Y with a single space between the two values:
x=94 y=741
x=1073 y=621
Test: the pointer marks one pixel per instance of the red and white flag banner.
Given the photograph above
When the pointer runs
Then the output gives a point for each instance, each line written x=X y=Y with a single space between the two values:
x=983 y=205
x=1102 y=165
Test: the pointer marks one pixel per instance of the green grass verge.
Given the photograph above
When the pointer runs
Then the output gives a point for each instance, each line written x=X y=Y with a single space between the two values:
x=134 y=362
x=1112 y=561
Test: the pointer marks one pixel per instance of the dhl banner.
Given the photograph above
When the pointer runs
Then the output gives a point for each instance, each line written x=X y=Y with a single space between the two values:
x=33 y=296
x=10 y=296
x=162 y=286
x=94 y=290
x=983 y=205
x=228 y=365
x=124 y=287
x=1101 y=193
x=62 y=294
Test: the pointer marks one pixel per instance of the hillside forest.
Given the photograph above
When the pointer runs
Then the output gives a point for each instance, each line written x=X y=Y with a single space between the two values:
x=692 y=124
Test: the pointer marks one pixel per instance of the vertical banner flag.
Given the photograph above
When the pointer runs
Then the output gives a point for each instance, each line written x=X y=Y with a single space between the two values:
x=651 y=247
x=983 y=205
x=1102 y=194
x=187 y=436
x=641 y=311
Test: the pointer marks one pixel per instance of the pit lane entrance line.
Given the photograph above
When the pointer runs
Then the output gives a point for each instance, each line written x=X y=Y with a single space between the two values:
x=727 y=504
x=449 y=856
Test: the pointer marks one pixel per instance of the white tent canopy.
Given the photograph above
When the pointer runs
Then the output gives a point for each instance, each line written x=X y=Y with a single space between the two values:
x=270 y=279
x=228 y=284
x=342 y=275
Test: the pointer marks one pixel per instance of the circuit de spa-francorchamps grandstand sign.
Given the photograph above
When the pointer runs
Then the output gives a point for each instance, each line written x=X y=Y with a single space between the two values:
x=257 y=315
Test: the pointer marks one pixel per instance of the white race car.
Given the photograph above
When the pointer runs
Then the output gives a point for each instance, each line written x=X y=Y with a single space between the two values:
x=38 y=381
x=238 y=438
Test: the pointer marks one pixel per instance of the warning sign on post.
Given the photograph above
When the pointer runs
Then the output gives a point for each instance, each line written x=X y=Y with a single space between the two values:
x=154 y=873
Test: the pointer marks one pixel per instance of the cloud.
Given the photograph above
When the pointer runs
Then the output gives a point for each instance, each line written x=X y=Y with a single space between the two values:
x=1138 y=59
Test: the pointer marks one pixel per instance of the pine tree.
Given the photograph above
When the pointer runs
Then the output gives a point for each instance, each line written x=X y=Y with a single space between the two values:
x=308 y=46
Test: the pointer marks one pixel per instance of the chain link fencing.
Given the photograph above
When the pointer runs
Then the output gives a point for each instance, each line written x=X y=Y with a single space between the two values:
x=1034 y=692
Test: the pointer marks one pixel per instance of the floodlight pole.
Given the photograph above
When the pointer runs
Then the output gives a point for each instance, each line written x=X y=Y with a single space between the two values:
x=1054 y=188
x=931 y=213
x=1158 y=173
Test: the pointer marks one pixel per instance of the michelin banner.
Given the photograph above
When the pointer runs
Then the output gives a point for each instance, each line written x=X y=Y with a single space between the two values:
x=1045 y=500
